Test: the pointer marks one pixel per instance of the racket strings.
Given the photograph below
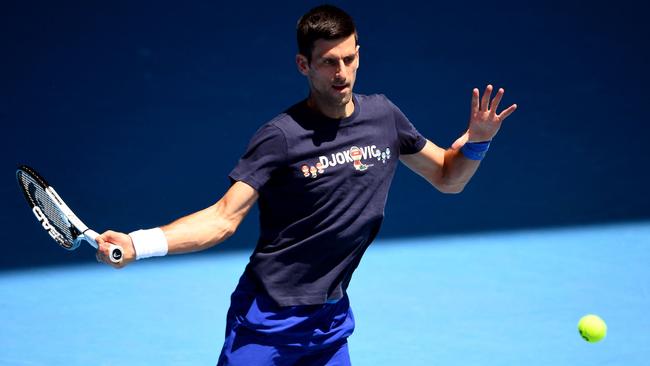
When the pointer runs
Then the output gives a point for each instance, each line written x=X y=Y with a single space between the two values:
x=37 y=196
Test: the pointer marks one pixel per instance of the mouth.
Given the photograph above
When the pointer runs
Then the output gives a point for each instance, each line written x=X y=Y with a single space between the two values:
x=341 y=88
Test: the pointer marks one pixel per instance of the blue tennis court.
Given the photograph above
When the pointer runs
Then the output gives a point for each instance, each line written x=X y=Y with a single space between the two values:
x=502 y=298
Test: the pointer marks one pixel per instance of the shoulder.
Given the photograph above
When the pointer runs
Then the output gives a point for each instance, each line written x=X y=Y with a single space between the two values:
x=376 y=102
x=270 y=133
x=372 y=99
x=281 y=123
x=288 y=120
x=376 y=106
x=270 y=129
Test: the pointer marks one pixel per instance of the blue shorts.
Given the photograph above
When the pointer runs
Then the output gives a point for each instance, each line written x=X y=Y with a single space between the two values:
x=259 y=332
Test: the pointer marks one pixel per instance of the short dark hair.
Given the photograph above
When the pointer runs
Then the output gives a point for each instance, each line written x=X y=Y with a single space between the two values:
x=323 y=22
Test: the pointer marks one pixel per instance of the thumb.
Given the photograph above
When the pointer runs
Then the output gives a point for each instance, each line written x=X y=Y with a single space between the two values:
x=107 y=238
x=460 y=141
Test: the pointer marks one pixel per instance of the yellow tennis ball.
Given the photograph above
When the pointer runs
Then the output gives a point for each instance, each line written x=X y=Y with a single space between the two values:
x=592 y=328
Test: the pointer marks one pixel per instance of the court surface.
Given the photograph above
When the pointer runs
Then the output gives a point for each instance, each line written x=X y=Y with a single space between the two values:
x=509 y=298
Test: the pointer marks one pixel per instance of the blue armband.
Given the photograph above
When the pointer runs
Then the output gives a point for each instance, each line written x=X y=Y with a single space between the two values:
x=475 y=150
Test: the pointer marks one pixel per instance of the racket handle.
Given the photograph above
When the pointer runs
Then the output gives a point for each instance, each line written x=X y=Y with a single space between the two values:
x=115 y=253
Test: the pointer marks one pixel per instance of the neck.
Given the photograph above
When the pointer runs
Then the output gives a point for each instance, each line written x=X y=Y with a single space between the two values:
x=329 y=110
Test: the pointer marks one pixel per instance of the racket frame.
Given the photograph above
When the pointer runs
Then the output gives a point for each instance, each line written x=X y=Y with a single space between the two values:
x=85 y=234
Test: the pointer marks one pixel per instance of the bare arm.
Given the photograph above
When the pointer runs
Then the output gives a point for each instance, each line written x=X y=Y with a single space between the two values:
x=449 y=170
x=197 y=231
x=211 y=226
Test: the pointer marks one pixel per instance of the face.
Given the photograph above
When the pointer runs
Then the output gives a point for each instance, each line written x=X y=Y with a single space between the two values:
x=332 y=70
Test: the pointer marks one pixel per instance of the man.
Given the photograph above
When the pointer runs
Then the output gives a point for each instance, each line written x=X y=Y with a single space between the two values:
x=320 y=173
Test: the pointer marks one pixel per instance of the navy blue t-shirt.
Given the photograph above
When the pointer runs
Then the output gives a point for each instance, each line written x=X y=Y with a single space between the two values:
x=323 y=185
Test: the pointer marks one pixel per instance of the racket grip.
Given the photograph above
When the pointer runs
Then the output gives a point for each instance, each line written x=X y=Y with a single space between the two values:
x=115 y=253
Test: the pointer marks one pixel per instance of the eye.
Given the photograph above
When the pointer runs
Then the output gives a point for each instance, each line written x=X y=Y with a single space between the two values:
x=329 y=62
x=348 y=60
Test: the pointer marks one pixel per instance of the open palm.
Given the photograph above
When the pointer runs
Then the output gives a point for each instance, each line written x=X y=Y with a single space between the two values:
x=484 y=122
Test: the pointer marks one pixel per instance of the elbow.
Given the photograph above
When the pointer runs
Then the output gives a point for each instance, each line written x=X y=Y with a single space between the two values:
x=218 y=231
x=229 y=230
x=451 y=189
x=217 y=235
x=221 y=226
x=448 y=185
x=224 y=230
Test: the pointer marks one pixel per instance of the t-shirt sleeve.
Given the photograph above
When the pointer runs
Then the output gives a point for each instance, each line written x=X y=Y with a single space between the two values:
x=266 y=152
x=410 y=140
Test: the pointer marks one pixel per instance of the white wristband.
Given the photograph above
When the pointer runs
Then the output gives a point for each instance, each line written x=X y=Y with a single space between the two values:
x=149 y=243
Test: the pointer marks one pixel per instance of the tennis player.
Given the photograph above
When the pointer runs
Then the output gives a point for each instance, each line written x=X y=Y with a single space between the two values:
x=320 y=173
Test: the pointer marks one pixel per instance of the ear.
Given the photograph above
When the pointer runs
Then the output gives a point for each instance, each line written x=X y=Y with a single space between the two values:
x=358 y=56
x=303 y=64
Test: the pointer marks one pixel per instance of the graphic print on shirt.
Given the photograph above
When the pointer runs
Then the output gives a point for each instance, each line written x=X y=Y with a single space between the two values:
x=355 y=155
x=305 y=170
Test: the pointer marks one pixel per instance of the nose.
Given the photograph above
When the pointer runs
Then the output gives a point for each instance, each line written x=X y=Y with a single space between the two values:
x=340 y=71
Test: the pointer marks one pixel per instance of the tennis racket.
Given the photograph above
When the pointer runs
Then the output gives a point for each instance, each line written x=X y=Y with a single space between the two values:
x=55 y=216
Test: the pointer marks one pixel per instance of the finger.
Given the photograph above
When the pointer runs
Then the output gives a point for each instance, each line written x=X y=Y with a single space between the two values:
x=486 y=98
x=495 y=102
x=104 y=239
x=474 y=101
x=503 y=115
x=102 y=247
x=108 y=234
x=101 y=257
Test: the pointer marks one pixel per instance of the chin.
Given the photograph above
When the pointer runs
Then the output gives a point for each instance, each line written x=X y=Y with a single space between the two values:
x=345 y=99
x=337 y=100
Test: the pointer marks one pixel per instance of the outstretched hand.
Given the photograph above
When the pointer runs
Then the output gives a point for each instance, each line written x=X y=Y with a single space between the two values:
x=484 y=122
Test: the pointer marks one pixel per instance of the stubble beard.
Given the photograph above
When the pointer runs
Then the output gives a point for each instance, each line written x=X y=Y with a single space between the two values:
x=332 y=100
